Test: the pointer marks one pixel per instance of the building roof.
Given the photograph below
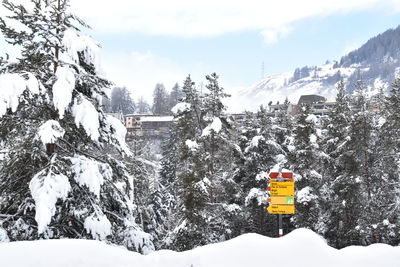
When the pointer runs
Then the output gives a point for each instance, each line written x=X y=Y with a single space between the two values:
x=311 y=99
x=157 y=118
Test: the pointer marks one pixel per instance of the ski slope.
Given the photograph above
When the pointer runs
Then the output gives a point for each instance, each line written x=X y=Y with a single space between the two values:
x=302 y=247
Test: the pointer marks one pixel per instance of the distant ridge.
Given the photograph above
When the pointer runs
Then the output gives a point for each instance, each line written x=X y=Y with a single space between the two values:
x=377 y=63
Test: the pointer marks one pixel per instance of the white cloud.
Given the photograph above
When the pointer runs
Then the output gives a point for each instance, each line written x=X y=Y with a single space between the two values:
x=207 y=18
x=351 y=46
x=272 y=36
x=140 y=71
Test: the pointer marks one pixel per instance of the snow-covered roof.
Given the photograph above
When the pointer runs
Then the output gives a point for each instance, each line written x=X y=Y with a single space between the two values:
x=157 y=118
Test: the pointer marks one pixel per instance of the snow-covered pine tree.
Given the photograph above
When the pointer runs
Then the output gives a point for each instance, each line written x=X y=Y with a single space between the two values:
x=216 y=134
x=261 y=154
x=337 y=126
x=385 y=200
x=174 y=97
x=338 y=122
x=193 y=193
x=55 y=180
x=169 y=183
x=358 y=175
x=203 y=152
x=283 y=128
x=222 y=211
x=308 y=162
x=142 y=107
x=160 y=100
x=121 y=101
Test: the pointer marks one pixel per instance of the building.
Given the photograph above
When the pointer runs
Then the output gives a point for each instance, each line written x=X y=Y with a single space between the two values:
x=238 y=117
x=290 y=109
x=322 y=108
x=149 y=124
x=318 y=104
x=311 y=99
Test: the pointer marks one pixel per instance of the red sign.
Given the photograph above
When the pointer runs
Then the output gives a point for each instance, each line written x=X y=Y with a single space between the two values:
x=285 y=175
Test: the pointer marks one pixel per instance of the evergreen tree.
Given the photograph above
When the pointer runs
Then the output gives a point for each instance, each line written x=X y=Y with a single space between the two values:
x=360 y=149
x=261 y=154
x=174 y=97
x=168 y=179
x=121 y=101
x=142 y=106
x=283 y=126
x=106 y=104
x=308 y=162
x=160 y=100
x=385 y=186
x=56 y=181
x=217 y=150
x=193 y=188
x=216 y=134
x=337 y=125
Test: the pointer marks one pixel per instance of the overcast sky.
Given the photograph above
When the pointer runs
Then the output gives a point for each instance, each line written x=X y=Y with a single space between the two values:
x=146 y=42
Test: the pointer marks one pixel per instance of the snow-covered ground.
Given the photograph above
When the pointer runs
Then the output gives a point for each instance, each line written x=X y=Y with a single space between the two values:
x=299 y=248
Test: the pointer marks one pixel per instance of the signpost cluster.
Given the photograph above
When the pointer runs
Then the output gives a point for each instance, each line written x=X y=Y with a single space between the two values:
x=281 y=188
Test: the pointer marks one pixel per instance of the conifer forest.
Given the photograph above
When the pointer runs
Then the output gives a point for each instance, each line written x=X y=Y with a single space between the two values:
x=67 y=169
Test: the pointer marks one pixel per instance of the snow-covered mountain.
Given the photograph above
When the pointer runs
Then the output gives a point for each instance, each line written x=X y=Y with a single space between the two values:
x=377 y=63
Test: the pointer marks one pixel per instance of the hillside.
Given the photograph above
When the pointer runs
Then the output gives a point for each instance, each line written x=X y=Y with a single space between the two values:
x=377 y=62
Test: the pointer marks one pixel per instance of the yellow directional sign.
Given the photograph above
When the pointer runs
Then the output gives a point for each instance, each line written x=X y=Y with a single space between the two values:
x=281 y=188
x=282 y=200
x=285 y=188
x=280 y=209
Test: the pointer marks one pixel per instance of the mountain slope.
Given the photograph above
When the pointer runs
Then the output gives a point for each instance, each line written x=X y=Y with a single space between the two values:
x=377 y=63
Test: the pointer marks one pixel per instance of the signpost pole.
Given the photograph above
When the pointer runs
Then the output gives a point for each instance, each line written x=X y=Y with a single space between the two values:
x=280 y=229
x=280 y=226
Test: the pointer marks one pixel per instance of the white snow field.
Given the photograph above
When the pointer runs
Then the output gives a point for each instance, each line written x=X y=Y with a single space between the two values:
x=302 y=247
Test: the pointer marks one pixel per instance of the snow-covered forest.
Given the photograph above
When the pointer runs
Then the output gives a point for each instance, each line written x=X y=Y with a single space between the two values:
x=66 y=170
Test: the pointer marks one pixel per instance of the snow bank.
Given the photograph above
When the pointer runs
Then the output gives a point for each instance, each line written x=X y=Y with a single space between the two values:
x=3 y=236
x=299 y=248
